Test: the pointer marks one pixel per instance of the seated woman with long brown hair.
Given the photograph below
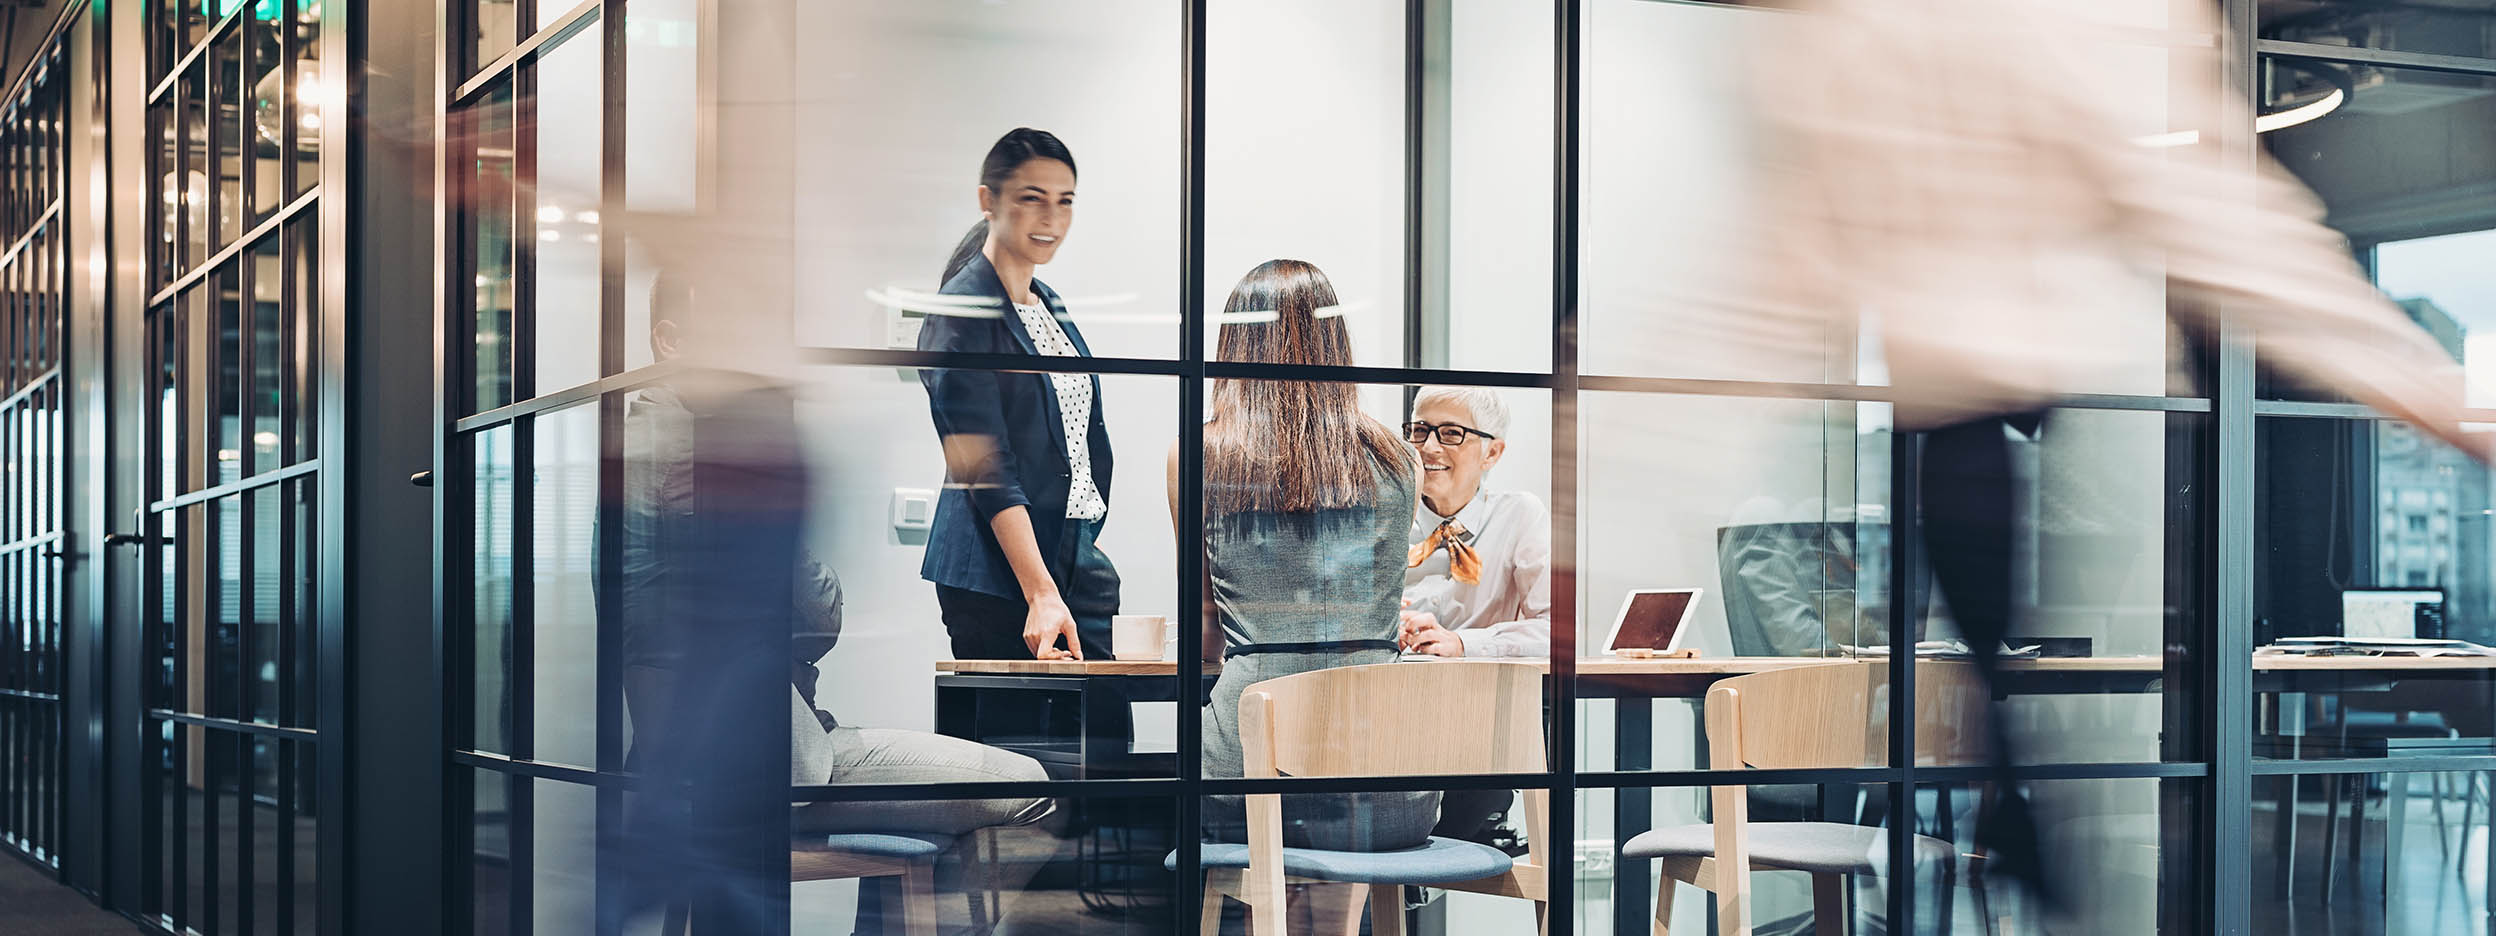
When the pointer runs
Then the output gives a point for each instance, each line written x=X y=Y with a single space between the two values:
x=1307 y=503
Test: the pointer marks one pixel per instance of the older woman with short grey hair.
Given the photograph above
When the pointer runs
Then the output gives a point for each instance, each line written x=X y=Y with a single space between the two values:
x=1478 y=579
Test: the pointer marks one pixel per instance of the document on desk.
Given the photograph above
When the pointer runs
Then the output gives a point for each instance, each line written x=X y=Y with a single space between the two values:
x=2374 y=646
x=1156 y=727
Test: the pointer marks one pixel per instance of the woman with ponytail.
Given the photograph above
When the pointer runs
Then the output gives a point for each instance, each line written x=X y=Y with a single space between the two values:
x=1013 y=548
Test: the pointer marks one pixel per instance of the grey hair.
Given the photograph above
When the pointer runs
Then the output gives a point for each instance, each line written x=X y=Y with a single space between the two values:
x=1489 y=414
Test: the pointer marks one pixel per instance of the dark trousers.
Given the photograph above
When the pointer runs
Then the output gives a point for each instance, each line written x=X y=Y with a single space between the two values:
x=989 y=627
x=1471 y=815
x=1970 y=515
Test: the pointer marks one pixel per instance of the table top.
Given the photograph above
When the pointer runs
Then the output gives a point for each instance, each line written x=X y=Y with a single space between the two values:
x=1733 y=666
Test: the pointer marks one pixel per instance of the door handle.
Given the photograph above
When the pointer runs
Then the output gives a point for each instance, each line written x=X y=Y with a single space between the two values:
x=125 y=539
x=422 y=478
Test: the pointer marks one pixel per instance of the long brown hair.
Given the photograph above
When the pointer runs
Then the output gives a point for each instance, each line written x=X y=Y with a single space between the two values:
x=1291 y=445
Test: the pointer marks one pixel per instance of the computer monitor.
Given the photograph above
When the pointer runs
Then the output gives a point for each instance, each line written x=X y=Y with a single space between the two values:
x=1803 y=588
x=2392 y=612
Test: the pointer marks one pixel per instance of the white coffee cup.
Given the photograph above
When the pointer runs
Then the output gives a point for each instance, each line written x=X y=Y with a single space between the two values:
x=1137 y=638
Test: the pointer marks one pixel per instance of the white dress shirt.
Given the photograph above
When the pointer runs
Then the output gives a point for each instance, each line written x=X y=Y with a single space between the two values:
x=1508 y=613
x=1074 y=408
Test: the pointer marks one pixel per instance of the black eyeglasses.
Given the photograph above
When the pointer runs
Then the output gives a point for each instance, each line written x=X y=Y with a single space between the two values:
x=1450 y=434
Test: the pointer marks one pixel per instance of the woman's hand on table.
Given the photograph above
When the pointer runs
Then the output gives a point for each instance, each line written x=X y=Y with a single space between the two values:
x=1045 y=624
x=1421 y=633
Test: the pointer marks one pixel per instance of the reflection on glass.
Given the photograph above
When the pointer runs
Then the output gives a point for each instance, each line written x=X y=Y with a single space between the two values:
x=2376 y=144
x=493 y=28
x=2106 y=566
x=1091 y=867
x=490 y=856
x=196 y=168
x=267 y=624
x=264 y=140
x=221 y=664
x=878 y=249
x=565 y=134
x=1782 y=528
x=272 y=361
x=304 y=617
x=305 y=100
x=2432 y=28
x=490 y=643
x=1486 y=213
x=1630 y=887
x=2388 y=539
x=489 y=240
x=165 y=207
x=227 y=117
x=2406 y=849
x=564 y=686
x=301 y=385
x=227 y=381
x=563 y=854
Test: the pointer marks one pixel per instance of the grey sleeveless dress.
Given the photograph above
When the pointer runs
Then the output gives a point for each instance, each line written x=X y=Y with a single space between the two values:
x=1301 y=592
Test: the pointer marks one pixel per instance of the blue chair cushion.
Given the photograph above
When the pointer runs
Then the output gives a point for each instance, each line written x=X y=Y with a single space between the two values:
x=907 y=847
x=1437 y=861
x=1828 y=847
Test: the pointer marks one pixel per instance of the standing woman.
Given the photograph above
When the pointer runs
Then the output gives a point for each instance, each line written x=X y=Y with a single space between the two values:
x=1013 y=551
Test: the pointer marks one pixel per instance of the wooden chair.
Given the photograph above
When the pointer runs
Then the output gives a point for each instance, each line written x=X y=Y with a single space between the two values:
x=1808 y=717
x=1301 y=726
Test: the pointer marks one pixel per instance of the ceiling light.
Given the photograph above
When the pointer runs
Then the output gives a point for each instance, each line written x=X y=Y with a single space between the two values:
x=2301 y=113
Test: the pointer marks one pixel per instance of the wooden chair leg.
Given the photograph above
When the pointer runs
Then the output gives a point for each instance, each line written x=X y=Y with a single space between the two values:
x=1664 y=888
x=1386 y=910
x=1212 y=911
x=1828 y=906
x=1266 y=904
x=918 y=900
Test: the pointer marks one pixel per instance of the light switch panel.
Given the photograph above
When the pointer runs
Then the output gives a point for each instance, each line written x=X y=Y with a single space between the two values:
x=914 y=509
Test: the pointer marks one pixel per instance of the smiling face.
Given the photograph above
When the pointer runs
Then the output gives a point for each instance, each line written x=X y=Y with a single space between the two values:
x=1451 y=476
x=1030 y=213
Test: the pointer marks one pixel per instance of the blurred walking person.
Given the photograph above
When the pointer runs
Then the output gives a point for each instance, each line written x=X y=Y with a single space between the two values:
x=1946 y=180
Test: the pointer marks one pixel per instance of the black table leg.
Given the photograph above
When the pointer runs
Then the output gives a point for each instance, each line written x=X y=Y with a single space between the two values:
x=1633 y=811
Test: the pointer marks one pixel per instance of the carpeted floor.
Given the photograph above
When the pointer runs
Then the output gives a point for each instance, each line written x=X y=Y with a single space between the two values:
x=31 y=902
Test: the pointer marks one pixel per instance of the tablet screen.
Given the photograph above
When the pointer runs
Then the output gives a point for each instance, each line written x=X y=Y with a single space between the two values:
x=1651 y=619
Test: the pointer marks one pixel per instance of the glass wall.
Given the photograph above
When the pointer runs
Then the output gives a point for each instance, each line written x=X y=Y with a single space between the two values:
x=32 y=522
x=720 y=355
x=2365 y=529
x=230 y=816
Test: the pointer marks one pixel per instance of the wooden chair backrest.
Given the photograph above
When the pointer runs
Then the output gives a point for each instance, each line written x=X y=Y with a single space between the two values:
x=1838 y=716
x=1452 y=717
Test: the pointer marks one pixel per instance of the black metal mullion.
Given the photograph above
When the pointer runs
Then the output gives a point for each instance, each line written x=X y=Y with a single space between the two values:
x=151 y=588
x=1568 y=54
x=1189 y=522
x=1906 y=564
x=290 y=108
x=523 y=193
x=287 y=751
x=2228 y=660
x=615 y=46
x=520 y=679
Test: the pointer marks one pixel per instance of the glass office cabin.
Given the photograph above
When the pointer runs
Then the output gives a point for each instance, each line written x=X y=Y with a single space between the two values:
x=338 y=333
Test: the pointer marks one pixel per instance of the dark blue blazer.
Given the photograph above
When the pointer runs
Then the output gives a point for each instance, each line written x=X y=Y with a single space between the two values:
x=1003 y=440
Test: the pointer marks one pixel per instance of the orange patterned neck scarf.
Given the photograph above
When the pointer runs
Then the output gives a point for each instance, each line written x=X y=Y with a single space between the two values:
x=1462 y=564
